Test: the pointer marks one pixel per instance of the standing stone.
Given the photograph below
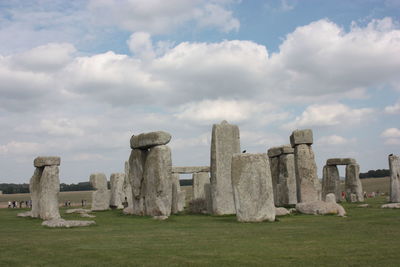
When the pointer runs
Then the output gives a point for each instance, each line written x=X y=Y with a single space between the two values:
x=287 y=180
x=34 y=189
x=274 y=165
x=158 y=181
x=117 y=193
x=137 y=161
x=200 y=180
x=331 y=182
x=101 y=195
x=208 y=197
x=176 y=190
x=353 y=184
x=394 y=166
x=49 y=189
x=225 y=141
x=252 y=187
x=127 y=186
x=181 y=200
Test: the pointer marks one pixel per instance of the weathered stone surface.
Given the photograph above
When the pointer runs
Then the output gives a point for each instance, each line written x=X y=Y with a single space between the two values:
x=160 y=218
x=287 y=149
x=181 y=200
x=394 y=167
x=208 y=197
x=331 y=182
x=391 y=206
x=101 y=196
x=274 y=151
x=252 y=187
x=192 y=169
x=363 y=205
x=128 y=211
x=61 y=223
x=46 y=161
x=158 y=181
x=148 y=140
x=85 y=215
x=341 y=161
x=353 y=184
x=300 y=137
x=137 y=161
x=127 y=187
x=176 y=190
x=286 y=187
x=279 y=211
x=117 y=190
x=24 y=214
x=49 y=189
x=308 y=185
x=78 y=211
x=34 y=189
x=200 y=179
x=225 y=141
x=274 y=166
x=320 y=208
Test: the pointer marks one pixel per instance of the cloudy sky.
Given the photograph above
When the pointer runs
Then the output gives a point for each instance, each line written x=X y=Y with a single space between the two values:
x=78 y=78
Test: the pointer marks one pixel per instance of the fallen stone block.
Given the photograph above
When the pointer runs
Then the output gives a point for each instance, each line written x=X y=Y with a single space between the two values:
x=391 y=206
x=280 y=211
x=148 y=140
x=322 y=207
x=78 y=211
x=61 y=223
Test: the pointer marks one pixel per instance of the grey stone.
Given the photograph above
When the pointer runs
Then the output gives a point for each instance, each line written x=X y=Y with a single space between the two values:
x=127 y=187
x=279 y=211
x=101 y=195
x=391 y=206
x=320 y=208
x=353 y=184
x=117 y=190
x=300 y=137
x=225 y=141
x=274 y=166
x=331 y=182
x=286 y=187
x=308 y=185
x=61 y=223
x=181 y=200
x=34 y=188
x=158 y=181
x=49 y=189
x=176 y=190
x=287 y=149
x=78 y=211
x=394 y=167
x=192 y=169
x=85 y=215
x=160 y=218
x=274 y=151
x=24 y=214
x=128 y=210
x=252 y=187
x=341 y=161
x=137 y=161
x=208 y=197
x=148 y=140
x=46 y=161
x=200 y=180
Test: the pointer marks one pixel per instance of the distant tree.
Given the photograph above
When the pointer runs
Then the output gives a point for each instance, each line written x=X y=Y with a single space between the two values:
x=380 y=173
x=186 y=182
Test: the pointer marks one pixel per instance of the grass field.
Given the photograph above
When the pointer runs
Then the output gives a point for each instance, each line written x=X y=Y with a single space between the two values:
x=367 y=237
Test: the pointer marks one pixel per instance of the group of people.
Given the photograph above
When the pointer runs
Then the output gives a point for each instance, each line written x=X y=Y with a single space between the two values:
x=14 y=204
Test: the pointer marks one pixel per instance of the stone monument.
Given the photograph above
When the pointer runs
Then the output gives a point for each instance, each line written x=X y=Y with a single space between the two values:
x=394 y=166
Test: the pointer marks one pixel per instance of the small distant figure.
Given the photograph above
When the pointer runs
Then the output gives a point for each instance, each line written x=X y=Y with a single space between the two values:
x=365 y=194
x=20 y=204
x=69 y=203
x=343 y=195
x=14 y=204
x=244 y=151
x=373 y=194
x=83 y=202
x=9 y=204
x=27 y=203
x=66 y=203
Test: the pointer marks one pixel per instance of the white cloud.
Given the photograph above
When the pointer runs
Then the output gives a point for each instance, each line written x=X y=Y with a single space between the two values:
x=214 y=15
x=395 y=109
x=61 y=126
x=21 y=148
x=141 y=45
x=391 y=133
x=333 y=140
x=329 y=115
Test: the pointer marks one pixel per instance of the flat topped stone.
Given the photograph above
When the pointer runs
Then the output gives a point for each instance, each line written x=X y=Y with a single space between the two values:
x=341 y=161
x=98 y=181
x=46 y=161
x=191 y=169
x=299 y=137
x=279 y=150
x=147 y=140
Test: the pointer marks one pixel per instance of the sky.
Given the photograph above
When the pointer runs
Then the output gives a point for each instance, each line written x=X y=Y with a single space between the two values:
x=78 y=78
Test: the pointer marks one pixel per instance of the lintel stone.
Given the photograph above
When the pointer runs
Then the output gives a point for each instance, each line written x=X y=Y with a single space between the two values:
x=147 y=140
x=299 y=137
x=340 y=161
x=191 y=169
x=46 y=161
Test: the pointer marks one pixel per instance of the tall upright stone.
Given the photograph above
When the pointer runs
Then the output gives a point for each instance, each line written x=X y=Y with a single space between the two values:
x=353 y=184
x=34 y=189
x=394 y=166
x=274 y=165
x=127 y=187
x=225 y=141
x=101 y=195
x=137 y=160
x=330 y=182
x=308 y=185
x=178 y=196
x=117 y=190
x=252 y=187
x=49 y=190
x=200 y=179
x=287 y=178
x=158 y=181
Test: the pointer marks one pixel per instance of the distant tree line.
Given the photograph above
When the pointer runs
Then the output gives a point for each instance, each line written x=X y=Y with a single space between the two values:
x=380 y=173
x=24 y=188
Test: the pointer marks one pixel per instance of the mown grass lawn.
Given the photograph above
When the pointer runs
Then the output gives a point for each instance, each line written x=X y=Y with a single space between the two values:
x=367 y=237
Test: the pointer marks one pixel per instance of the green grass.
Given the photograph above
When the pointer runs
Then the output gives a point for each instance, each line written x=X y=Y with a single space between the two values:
x=367 y=237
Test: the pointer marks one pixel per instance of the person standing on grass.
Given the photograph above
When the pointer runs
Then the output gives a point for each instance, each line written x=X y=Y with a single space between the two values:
x=9 y=204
